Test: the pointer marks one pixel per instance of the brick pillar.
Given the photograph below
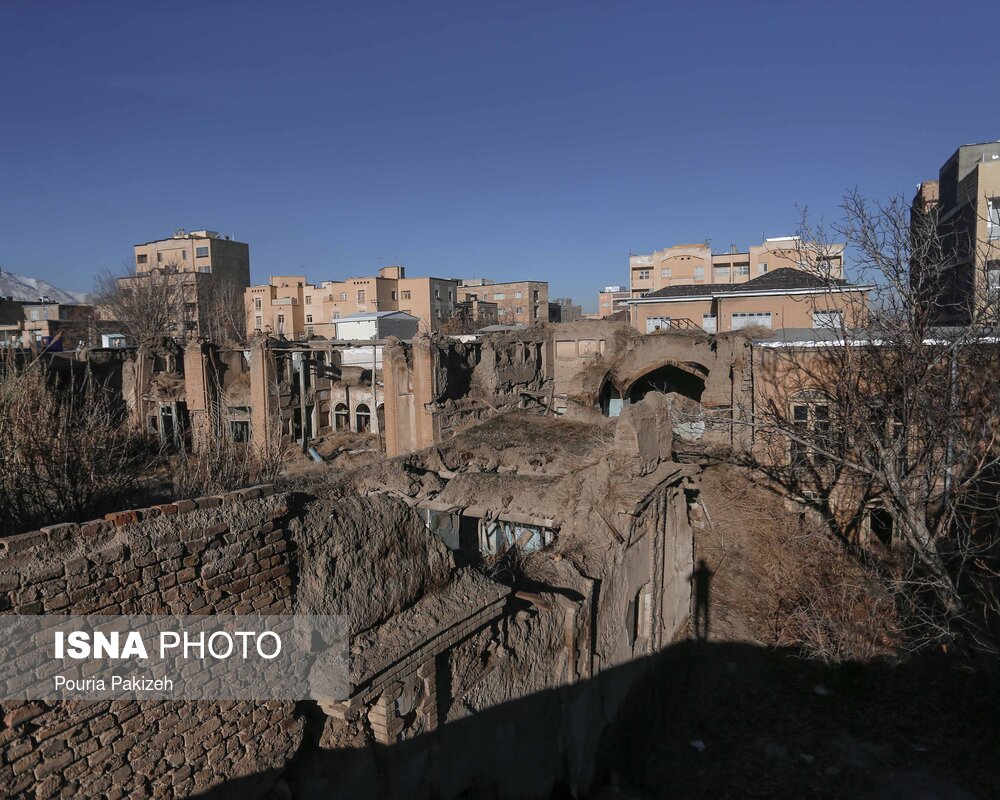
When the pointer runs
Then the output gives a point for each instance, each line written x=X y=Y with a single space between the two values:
x=198 y=391
x=263 y=401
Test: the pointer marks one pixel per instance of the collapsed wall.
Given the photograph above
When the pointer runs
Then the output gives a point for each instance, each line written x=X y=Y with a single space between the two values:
x=495 y=590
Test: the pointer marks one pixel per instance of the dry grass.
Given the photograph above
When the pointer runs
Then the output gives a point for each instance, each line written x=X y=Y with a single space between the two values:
x=786 y=581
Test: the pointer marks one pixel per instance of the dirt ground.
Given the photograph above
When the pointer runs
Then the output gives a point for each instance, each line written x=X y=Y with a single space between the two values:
x=731 y=717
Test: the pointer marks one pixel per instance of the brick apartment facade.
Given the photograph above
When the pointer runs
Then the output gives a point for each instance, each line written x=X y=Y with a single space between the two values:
x=517 y=302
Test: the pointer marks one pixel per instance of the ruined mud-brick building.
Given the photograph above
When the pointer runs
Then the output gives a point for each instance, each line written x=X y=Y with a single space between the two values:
x=266 y=391
x=437 y=386
x=503 y=591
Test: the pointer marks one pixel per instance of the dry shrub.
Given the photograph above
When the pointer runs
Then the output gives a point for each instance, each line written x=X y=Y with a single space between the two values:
x=222 y=464
x=808 y=592
x=67 y=451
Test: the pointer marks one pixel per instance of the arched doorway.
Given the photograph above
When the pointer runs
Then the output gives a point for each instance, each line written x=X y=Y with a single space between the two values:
x=341 y=417
x=611 y=399
x=362 y=418
x=668 y=378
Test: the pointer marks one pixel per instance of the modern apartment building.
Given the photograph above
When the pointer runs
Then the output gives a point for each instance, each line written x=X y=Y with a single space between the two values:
x=53 y=326
x=696 y=264
x=518 y=302
x=289 y=306
x=563 y=309
x=612 y=300
x=212 y=269
x=784 y=298
x=964 y=205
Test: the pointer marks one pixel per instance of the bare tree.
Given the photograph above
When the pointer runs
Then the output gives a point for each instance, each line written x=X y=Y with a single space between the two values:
x=223 y=317
x=149 y=305
x=887 y=408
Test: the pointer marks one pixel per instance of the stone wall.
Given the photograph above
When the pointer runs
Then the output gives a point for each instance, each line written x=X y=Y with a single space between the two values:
x=225 y=554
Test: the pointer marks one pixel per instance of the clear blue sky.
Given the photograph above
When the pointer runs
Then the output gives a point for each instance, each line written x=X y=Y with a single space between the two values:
x=510 y=140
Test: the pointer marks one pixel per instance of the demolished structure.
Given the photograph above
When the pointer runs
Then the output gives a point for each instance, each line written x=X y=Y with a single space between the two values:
x=513 y=570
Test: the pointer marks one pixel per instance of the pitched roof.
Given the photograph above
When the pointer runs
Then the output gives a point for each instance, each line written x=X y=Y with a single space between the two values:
x=783 y=279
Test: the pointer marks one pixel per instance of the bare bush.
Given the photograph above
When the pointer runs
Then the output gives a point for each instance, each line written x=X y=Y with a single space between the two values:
x=219 y=463
x=805 y=590
x=67 y=451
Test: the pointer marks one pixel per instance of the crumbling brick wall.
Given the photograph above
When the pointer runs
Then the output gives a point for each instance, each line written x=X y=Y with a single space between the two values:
x=225 y=554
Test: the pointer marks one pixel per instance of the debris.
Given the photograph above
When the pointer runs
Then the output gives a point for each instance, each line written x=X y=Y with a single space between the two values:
x=315 y=456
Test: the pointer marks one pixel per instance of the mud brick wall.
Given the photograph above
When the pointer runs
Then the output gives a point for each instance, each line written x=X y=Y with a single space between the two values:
x=227 y=554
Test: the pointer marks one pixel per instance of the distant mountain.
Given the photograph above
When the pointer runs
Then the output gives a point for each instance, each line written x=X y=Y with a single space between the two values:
x=21 y=287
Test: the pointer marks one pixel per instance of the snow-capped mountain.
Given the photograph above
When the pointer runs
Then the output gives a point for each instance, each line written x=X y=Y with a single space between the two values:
x=21 y=287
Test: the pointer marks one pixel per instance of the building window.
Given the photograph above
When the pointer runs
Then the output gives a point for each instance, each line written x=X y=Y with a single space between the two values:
x=665 y=272
x=404 y=295
x=451 y=295
x=519 y=310
x=141 y=259
x=256 y=304
x=281 y=323
x=309 y=300
x=992 y=280
x=811 y=419
x=535 y=295
x=708 y=323
x=343 y=296
x=260 y=323
x=361 y=296
x=392 y=294
x=536 y=312
x=720 y=273
x=201 y=252
x=309 y=331
x=437 y=294
x=762 y=267
x=336 y=315
x=499 y=296
x=828 y=319
x=159 y=257
x=642 y=275
x=501 y=312
x=184 y=255
x=363 y=418
x=751 y=319
x=743 y=269
x=993 y=207
x=699 y=273
x=657 y=323
x=309 y=317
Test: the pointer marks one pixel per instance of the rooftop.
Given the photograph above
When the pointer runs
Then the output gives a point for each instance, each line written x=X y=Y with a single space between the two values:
x=779 y=280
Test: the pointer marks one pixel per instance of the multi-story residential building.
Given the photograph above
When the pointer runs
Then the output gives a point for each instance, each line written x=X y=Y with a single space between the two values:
x=696 y=264
x=289 y=306
x=563 y=309
x=965 y=204
x=211 y=270
x=56 y=326
x=518 y=302
x=784 y=298
x=612 y=300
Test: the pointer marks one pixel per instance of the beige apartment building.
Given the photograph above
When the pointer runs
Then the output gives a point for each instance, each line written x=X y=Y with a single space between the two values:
x=517 y=302
x=213 y=269
x=784 y=298
x=696 y=264
x=612 y=300
x=965 y=202
x=289 y=306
